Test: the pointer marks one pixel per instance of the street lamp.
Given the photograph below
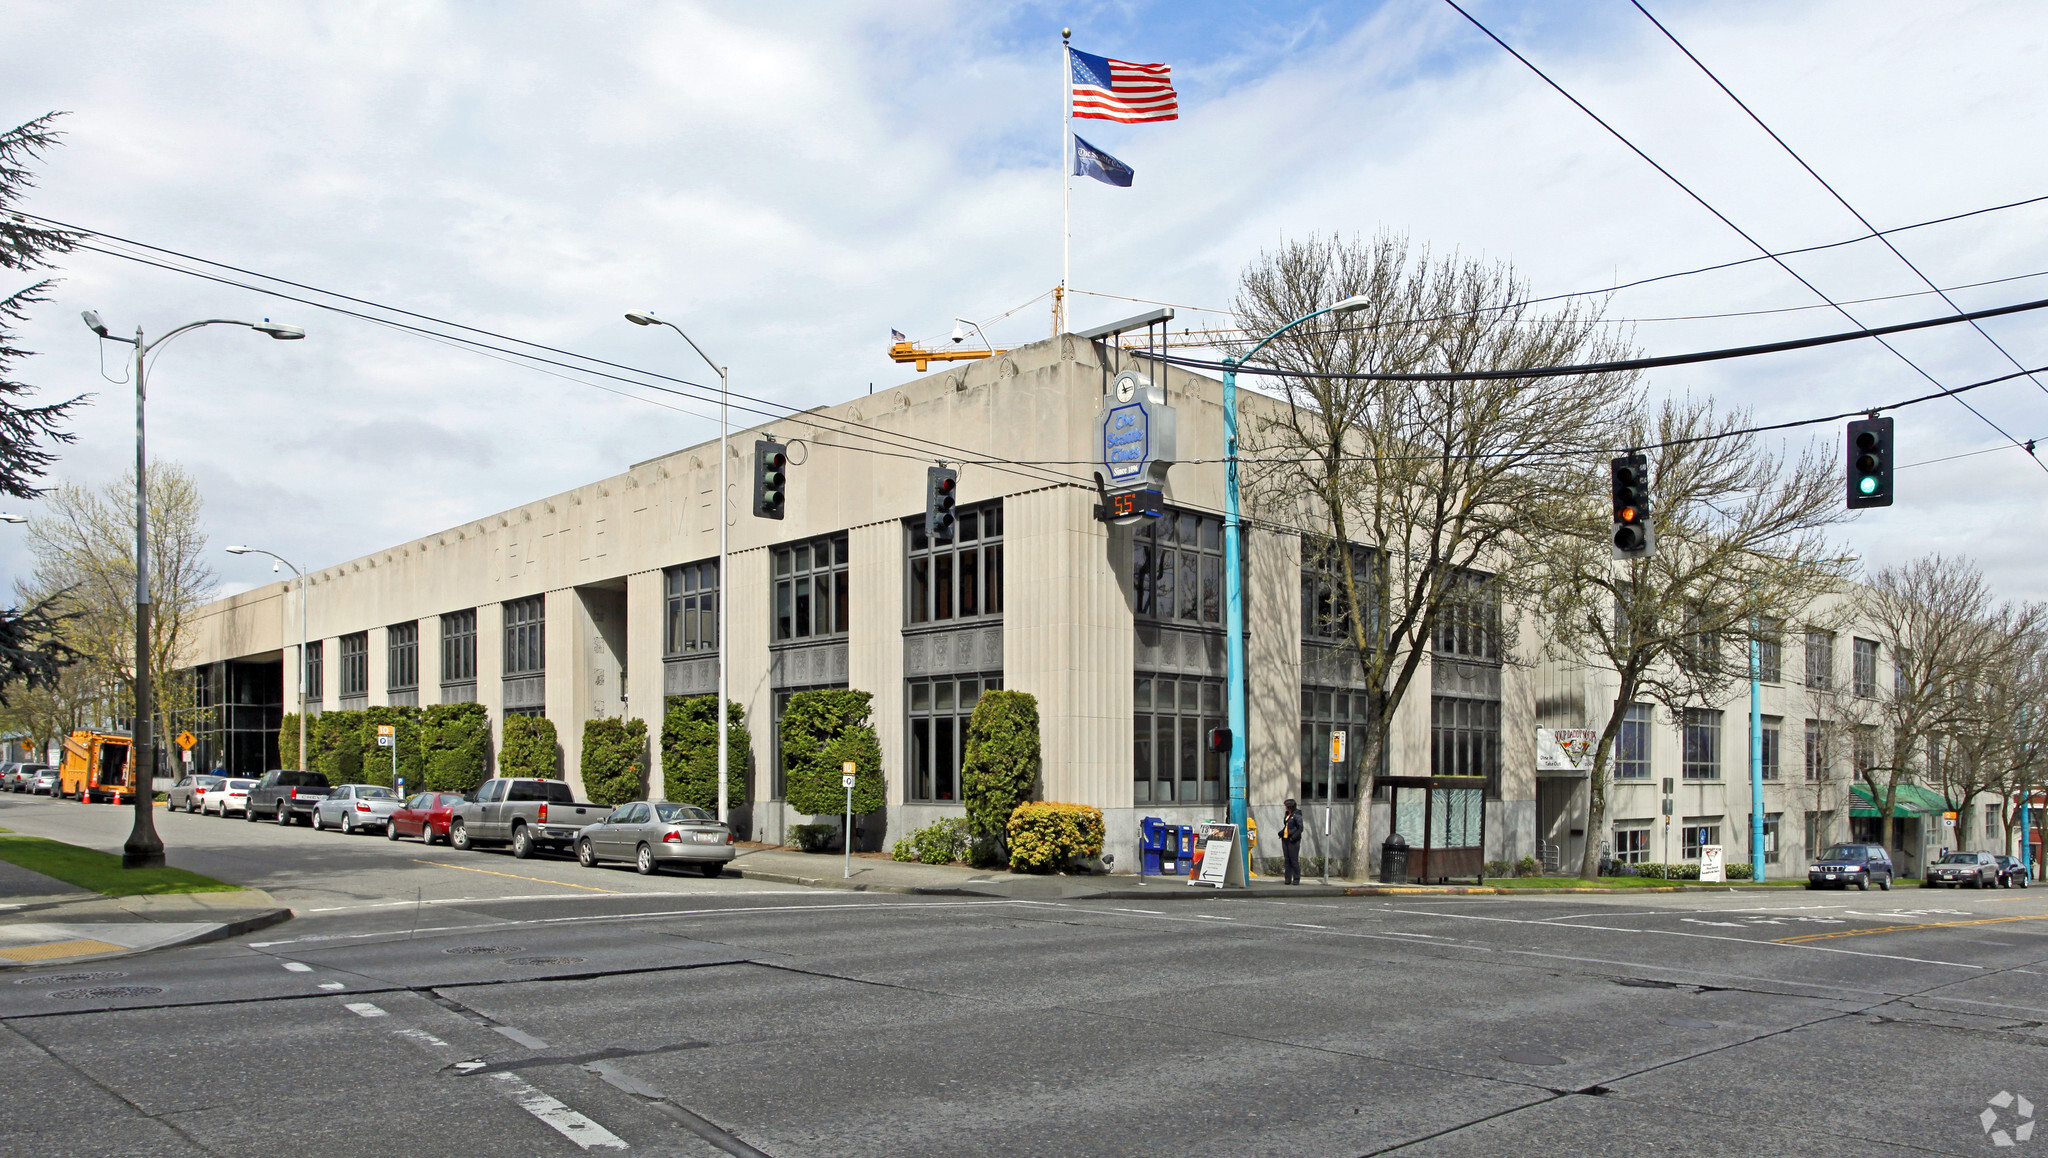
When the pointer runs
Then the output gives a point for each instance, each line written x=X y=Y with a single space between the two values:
x=648 y=319
x=7 y=518
x=1233 y=570
x=303 y=689
x=144 y=847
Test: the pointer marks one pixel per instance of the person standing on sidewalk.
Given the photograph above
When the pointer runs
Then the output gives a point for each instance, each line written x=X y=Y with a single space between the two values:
x=1290 y=842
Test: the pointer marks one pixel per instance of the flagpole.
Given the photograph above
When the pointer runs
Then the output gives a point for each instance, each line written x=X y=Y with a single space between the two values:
x=1059 y=297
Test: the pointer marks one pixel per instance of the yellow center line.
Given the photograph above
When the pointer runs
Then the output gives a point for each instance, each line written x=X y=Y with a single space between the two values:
x=1901 y=929
x=514 y=876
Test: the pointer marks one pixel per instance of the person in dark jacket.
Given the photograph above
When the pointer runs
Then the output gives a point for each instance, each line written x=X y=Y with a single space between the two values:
x=1290 y=842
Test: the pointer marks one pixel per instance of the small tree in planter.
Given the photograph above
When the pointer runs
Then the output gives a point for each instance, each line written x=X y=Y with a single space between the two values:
x=614 y=760
x=455 y=740
x=1001 y=764
x=821 y=731
x=689 y=752
x=528 y=748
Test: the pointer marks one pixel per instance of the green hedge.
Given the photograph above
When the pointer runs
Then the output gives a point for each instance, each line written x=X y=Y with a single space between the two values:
x=528 y=748
x=337 y=739
x=1001 y=762
x=288 y=741
x=942 y=841
x=820 y=731
x=1046 y=836
x=689 y=752
x=377 y=761
x=455 y=747
x=614 y=761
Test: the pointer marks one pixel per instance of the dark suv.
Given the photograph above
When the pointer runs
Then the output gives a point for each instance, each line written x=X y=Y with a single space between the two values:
x=1843 y=865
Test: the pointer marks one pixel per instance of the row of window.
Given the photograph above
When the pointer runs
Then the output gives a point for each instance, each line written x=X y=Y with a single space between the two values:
x=1700 y=746
x=1632 y=839
x=1820 y=661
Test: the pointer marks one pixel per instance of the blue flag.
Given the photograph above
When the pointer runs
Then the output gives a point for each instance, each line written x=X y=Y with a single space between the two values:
x=1090 y=161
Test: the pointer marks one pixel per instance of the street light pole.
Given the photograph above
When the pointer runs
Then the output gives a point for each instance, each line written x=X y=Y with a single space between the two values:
x=724 y=429
x=144 y=848
x=303 y=689
x=1233 y=569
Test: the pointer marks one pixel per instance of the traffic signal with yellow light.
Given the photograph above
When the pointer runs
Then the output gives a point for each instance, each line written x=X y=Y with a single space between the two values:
x=1633 y=536
x=1870 y=462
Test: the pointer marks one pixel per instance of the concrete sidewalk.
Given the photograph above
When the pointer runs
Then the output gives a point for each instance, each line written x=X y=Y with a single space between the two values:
x=60 y=925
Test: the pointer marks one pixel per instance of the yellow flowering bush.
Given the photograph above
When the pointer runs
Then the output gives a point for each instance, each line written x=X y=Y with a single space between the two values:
x=1045 y=835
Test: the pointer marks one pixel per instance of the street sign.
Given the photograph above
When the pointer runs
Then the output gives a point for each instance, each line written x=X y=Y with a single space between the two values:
x=186 y=740
x=387 y=729
x=387 y=741
x=846 y=774
x=1337 y=747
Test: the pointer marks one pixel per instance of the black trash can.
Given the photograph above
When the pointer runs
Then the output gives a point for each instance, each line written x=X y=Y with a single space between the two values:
x=1394 y=860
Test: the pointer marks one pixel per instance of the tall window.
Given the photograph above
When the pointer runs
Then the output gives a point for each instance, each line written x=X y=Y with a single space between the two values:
x=1816 y=750
x=402 y=656
x=1773 y=729
x=962 y=579
x=811 y=595
x=526 y=650
x=1171 y=761
x=1902 y=665
x=1770 y=652
x=1702 y=744
x=1177 y=568
x=1820 y=831
x=355 y=664
x=1631 y=844
x=1632 y=746
x=458 y=646
x=1325 y=605
x=1820 y=660
x=1698 y=832
x=1990 y=821
x=1699 y=650
x=1772 y=820
x=1465 y=739
x=316 y=674
x=1863 y=748
x=1324 y=710
x=1864 y=658
x=1468 y=625
x=939 y=711
x=692 y=608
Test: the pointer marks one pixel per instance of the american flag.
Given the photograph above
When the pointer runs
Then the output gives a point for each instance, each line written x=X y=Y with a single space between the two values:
x=1117 y=90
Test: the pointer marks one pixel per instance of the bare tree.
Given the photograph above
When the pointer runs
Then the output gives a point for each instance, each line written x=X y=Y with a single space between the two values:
x=84 y=542
x=1740 y=548
x=1426 y=485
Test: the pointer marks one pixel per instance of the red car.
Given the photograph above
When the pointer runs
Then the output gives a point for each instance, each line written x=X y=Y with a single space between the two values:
x=425 y=816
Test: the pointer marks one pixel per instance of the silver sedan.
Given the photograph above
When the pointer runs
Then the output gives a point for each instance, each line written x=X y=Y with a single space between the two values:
x=651 y=835
x=354 y=808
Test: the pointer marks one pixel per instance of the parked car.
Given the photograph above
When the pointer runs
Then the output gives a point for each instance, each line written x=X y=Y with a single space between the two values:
x=425 y=816
x=186 y=792
x=653 y=835
x=1842 y=865
x=285 y=795
x=530 y=815
x=20 y=776
x=45 y=783
x=228 y=795
x=2012 y=872
x=1979 y=870
x=353 y=808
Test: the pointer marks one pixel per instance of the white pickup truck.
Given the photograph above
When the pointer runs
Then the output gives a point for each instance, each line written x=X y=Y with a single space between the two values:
x=530 y=815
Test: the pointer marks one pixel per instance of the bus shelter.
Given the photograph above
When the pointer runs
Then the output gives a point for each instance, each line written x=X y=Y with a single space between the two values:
x=1443 y=819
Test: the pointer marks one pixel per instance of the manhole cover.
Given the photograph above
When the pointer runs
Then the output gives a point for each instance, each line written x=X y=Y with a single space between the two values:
x=481 y=950
x=68 y=978
x=106 y=991
x=1532 y=1059
x=1688 y=1023
x=545 y=960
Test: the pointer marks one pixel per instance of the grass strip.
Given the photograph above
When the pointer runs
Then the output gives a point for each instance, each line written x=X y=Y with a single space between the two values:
x=101 y=872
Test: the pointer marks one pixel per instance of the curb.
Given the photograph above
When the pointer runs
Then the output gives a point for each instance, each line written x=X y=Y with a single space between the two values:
x=772 y=877
x=249 y=924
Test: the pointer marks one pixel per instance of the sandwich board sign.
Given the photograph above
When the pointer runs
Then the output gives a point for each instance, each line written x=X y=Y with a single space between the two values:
x=1710 y=863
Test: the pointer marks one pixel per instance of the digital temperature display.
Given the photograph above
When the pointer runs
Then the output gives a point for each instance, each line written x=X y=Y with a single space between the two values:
x=1130 y=506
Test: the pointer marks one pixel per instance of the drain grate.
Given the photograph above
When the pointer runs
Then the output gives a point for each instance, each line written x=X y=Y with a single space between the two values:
x=69 y=978
x=106 y=991
x=545 y=960
x=480 y=950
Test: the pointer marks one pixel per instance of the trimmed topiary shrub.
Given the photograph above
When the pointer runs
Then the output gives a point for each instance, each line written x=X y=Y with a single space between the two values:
x=1670 y=872
x=528 y=748
x=614 y=760
x=337 y=739
x=689 y=752
x=1001 y=762
x=455 y=741
x=1741 y=872
x=813 y=837
x=820 y=731
x=377 y=760
x=288 y=741
x=942 y=841
x=1046 y=836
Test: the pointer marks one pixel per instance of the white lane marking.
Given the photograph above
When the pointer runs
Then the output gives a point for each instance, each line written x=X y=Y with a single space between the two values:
x=1675 y=933
x=565 y=1121
x=422 y=1037
x=364 y=1009
x=1304 y=925
x=1147 y=912
x=1207 y=917
x=332 y=985
x=298 y=967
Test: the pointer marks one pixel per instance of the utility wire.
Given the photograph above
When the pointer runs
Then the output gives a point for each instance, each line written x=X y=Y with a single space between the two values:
x=1722 y=217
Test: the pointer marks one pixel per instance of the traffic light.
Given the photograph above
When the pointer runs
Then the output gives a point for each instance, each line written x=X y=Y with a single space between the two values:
x=771 y=479
x=1219 y=739
x=1633 y=536
x=1870 y=463
x=940 y=483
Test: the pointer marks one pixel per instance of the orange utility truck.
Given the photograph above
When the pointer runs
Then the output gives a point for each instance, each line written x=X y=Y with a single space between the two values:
x=97 y=768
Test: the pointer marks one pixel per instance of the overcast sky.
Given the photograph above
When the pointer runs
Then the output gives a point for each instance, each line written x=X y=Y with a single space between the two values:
x=791 y=181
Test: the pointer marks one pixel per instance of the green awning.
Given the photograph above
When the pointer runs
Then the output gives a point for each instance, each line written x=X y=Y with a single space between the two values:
x=1912 y=800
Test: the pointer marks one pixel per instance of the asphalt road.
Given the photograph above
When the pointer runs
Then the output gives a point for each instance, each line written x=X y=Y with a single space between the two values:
x=818 y=1023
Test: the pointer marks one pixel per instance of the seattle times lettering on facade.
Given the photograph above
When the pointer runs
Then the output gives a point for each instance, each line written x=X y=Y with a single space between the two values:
x=1138 y=432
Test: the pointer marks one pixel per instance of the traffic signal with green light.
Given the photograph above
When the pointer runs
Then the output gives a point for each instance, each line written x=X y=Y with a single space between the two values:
x=1870 y=462
x=1633 y=536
